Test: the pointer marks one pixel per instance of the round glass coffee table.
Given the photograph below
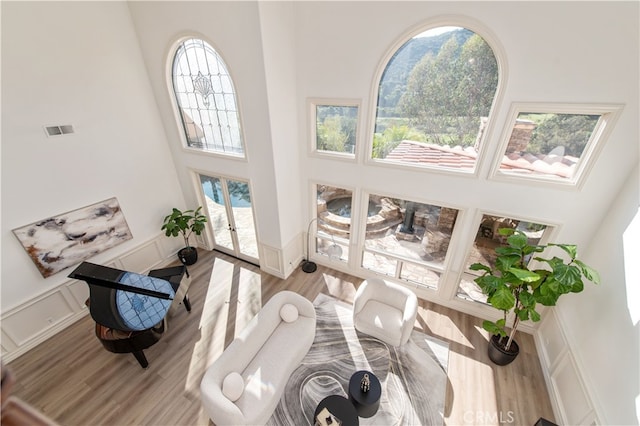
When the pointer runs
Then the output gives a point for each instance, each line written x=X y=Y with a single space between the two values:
x=366 y=403
x=340 y=408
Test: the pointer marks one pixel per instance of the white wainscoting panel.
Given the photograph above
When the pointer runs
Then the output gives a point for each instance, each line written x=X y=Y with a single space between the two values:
x=139 y=259
x=568 y=394
x=271 y=261
x=79 y=291
x=574 y=402
x=28 y=324
x=34 y=317
x=292 y=255
x=7 y=345
x=554 y=344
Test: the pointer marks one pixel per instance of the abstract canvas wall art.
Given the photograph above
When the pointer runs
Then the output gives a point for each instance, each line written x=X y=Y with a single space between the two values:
x=62 y=241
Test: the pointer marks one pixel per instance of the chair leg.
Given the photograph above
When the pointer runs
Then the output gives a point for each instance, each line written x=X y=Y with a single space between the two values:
x=141 y=359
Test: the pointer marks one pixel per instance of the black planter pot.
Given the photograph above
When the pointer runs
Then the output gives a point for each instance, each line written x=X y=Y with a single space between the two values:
x=498 y=354
x=188 y=255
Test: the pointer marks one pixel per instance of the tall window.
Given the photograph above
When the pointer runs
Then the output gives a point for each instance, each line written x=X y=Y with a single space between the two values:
x=483 y=249
x=407 y=240
x=206 y=99
x=333 y=217
x=434 y=96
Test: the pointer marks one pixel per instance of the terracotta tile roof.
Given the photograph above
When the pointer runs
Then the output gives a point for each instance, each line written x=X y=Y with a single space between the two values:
x=434 y=155
x=562 y=166
x=459 y=158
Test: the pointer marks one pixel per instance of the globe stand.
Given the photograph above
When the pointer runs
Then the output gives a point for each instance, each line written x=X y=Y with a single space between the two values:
x=309 y=266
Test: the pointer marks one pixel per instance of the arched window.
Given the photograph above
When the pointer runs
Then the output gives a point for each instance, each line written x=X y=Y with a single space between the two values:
x=434 y=98
x=206 y=99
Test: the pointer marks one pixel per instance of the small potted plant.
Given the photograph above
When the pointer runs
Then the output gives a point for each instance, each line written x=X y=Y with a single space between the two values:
x=516 y=290
x=185 y=223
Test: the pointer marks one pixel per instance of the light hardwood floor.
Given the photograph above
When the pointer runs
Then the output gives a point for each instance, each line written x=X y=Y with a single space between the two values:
x=74 y=381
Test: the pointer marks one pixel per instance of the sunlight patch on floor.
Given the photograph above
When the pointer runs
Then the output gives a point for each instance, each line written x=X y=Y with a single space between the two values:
x=236 y=302
x=249 y=297
x=339 y=288
x=344 y=316
x=217 y=296
x=212 y=324
x=453 y=334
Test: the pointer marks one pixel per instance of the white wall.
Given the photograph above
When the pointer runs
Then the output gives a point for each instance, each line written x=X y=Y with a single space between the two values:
x=599 y=325
x=234 y=29
x=551 y=52
x=277 y=20
x=568 y=59
x=79 y=63
x=76 y=63
x=590 y=345
x=342 y=47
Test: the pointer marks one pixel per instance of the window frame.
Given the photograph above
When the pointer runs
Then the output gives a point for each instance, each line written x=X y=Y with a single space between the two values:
x=490 y=128
x=312 y=104
x=442 y=269
x=315 y=235
x=170 y=59
x=552 y=229
x=609 y=114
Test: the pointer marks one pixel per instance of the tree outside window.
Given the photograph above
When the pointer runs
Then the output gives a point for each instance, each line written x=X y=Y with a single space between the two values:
x=335 y=128
x=435 y=91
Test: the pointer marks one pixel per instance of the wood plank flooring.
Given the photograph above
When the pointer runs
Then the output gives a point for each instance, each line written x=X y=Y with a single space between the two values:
x=74 y=381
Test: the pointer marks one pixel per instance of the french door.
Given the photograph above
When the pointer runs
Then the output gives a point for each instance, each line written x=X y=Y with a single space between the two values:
x=230 y=215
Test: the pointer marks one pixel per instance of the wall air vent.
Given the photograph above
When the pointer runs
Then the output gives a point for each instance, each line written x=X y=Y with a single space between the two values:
x=60 y=130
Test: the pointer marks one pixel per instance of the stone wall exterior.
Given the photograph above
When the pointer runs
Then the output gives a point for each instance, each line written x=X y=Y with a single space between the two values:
x=520 y=136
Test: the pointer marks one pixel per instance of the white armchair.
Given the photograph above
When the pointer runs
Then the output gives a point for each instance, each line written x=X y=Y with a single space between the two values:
x=385 y=310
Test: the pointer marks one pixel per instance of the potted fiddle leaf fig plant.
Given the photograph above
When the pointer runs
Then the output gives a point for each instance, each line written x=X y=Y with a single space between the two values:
x=185 y=223
x=515 y=289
